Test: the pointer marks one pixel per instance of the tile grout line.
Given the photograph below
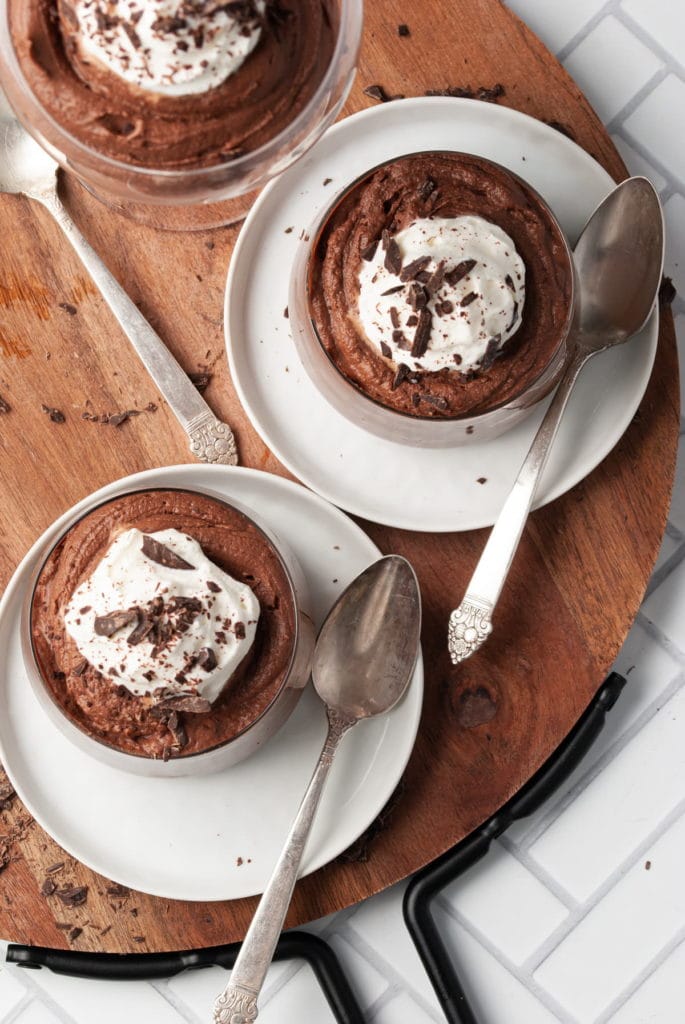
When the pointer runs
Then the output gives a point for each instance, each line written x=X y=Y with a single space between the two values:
x=593 y=21
x=660 y=958
x=517 y=971
x=650 y=41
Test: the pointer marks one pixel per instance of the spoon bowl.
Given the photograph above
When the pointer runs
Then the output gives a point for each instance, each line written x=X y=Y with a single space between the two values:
x=24 y=165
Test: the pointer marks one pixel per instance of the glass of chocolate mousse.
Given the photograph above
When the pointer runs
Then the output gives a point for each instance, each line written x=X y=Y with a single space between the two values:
x=432 y=305
x=165 y=632
x=178 y=104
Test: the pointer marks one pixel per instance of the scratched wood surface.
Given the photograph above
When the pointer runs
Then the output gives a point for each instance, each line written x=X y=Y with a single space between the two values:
x=572 y=595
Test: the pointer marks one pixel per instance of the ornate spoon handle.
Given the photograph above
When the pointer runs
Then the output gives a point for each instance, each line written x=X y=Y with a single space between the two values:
x=211 y=440
x=471 y=623
x=237 y=1004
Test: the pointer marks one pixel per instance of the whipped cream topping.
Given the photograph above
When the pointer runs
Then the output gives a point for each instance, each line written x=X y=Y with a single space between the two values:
x=158 y=617
x=445 y=292
x=170 y=47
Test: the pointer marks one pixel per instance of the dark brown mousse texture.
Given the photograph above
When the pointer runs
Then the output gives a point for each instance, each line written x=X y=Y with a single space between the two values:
x=120 y=120
x=386 y=202
x=101 y=705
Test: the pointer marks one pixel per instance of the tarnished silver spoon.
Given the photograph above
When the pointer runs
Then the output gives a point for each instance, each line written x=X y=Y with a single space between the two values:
x=364 y=659
x=28 y=170
x=619 y=260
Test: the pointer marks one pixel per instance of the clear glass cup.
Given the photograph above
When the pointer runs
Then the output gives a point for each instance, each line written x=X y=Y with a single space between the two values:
x=189 y=198
x=228 y=753
x=390 y=424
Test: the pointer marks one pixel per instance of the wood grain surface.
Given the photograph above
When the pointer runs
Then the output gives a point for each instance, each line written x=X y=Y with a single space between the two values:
x=576 y=583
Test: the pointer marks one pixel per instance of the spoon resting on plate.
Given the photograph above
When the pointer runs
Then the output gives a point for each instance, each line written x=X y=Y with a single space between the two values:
x=619 y=260
x=363 y=662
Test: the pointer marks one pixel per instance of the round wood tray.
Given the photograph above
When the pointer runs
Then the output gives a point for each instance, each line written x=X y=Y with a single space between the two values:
x=576 y=583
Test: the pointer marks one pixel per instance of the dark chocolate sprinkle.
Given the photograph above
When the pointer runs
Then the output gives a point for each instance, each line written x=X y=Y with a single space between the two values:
x=461 y=270
x=162 y=554
x=108 y=625
x=386 y=350
x=468 y=299
x=422 y=334
x=393 y=256
x=415 y=267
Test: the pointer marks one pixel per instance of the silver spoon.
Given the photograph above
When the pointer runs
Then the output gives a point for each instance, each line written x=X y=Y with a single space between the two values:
x=364 y=659
x=619 y=259
x=28 y=170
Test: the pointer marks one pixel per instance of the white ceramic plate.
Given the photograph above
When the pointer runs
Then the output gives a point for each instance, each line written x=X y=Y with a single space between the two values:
x=434 y=490
x=184 y=838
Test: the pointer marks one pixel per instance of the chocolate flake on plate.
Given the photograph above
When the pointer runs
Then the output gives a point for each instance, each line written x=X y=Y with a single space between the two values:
x=108 y=625
x=422 y=334
x=162 y=554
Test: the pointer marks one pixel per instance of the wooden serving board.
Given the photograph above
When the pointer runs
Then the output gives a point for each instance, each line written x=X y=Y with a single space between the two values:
x=576 y=583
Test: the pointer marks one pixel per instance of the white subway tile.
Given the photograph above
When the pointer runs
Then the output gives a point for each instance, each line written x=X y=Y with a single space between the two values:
x=107 y=1002
x=555 y=23
x=621 y=934
x=653 y=124
x=366 y=982
x=611 y=65
x=36 y=1013
x=12 y=991
x=636 y=163
x=660 y=998
x=494 y=993
x=402 y=1010
x=664 y=20
x=666 y=605
x=379 y=922
x=199 y=989
x=620 y=807
x=300 y=999
x=508 y=905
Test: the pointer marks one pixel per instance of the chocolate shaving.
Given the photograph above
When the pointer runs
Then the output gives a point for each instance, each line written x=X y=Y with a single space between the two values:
x=415 y=267
x=455 y=275
x=422 y=334
x=74 y=933
x=434 y=282
x=239 y=630
x=402 y=374
x=417 y=296
x=394 y=316
x=81 y=667
x=190 y=703
x=369 y=251
x=48 y=887
x=393 y=256
x=55 y=867
x=73 y=896
x=491 y=352
x=426 y=190
x=214 y=587
x=401 y=340
x=162 y=554
x=468 y=299
x=200 y=380
x=386 y=350
x=119 y=891
x=175 y=727
x=132 y=34
x=393 y=291
x=437 y=400
x=108 y=625
x=56 y=415
x=142 y=630
x=376 y=92
x=207 y=659
x=667 y=292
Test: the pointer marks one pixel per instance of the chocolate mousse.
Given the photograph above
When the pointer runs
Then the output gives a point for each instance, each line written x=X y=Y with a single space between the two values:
x=171 y=84
x=440 y=285
x=163 y=623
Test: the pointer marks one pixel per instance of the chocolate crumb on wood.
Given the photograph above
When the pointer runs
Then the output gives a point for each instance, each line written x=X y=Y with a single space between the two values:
x=376 y=92
x=403 y=31
x=68 y=308
x=200 y=380
x=56 y=415
x=563 y=128
x=667 y=292
x=73 y=896
x=4 y=406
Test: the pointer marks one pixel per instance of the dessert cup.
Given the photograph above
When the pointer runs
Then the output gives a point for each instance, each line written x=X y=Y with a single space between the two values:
x=189 y=198
x=223 y=755
x=370 y=414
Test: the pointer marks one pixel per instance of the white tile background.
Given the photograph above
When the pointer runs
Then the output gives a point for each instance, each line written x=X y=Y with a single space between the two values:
x=562 y=921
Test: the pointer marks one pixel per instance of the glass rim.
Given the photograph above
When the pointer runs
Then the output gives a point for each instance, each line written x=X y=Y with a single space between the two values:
x=318 y=229
x=27 y=618
x=351 y=12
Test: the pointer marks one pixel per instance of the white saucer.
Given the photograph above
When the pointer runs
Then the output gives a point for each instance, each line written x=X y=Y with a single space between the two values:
x=186 y=838
x=434 y=490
